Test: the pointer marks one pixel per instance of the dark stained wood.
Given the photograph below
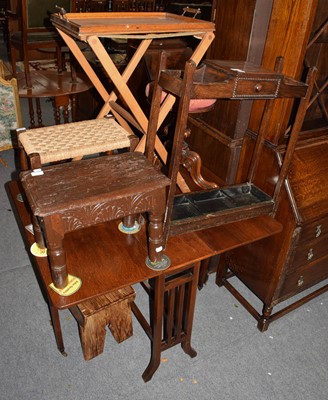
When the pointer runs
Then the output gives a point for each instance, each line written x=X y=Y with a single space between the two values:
x=289 y=32
x=296 y=260
x=232 y=80
x=235 y=27
x=67 y=197
x=257 y=31
x=32 y=31
x=49 y=83
x=117 y=258
x=33 y=36
x=236 y=80
x=89 y=6
x=68 y=193
x=307 y=165
x=241 y=28
x=219 y=152
x=248 y=231
x=173 y=318
x=317 y=114
x=278 y=268
x=61 y=87
x=107 y=260
x=198 y=211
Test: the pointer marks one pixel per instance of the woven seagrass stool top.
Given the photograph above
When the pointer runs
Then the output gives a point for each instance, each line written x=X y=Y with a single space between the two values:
x=77 y=139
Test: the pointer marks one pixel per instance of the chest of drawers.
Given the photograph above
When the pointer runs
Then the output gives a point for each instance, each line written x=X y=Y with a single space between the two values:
x=279 y=268
x=308 y=261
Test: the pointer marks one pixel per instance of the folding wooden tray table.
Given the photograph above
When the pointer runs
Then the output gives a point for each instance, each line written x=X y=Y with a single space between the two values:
x=90 y=27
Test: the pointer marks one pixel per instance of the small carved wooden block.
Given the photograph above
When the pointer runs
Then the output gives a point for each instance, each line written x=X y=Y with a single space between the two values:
x=114 y=310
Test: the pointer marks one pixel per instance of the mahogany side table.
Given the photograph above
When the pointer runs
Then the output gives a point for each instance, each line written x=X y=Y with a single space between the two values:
x=107 y=260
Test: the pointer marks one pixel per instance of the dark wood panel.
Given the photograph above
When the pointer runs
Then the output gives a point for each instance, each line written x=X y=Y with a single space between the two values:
x=241 y=28
x=289 y=32
x=219 y=153
x=308 y=169
x=232 y=29
x=240 y=35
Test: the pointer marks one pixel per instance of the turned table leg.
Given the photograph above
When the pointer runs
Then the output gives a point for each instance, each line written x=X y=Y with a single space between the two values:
x=54 y=231
x=57 y=328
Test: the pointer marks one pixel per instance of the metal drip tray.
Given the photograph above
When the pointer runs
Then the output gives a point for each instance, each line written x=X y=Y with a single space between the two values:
x=201 y=210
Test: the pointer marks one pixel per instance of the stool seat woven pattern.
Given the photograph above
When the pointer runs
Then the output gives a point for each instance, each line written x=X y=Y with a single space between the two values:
x=77 y=139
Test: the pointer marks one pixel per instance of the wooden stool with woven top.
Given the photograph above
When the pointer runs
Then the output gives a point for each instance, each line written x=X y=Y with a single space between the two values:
x=112 y=309
x=71 y=141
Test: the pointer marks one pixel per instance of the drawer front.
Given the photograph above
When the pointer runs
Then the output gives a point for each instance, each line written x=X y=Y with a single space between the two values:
x=314 y=230
x=252 y=87
x=305 y=277
x=309 y=251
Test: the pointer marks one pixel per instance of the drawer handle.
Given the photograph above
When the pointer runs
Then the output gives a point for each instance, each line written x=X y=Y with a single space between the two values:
x=300 y=282
x=318 y=231
x=310 y=254
x=258 y=87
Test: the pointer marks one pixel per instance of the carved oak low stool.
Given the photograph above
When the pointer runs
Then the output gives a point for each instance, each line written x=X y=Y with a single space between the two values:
x=74 y=195
x=112 y=309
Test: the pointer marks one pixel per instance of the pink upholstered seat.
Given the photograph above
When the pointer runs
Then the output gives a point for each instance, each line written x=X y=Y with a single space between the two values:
x=195 y=106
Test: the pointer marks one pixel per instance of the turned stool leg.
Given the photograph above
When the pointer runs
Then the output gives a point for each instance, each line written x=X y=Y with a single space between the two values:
x=53 y=225
x=38 y=236
x=130 y=224
x=23 y=160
